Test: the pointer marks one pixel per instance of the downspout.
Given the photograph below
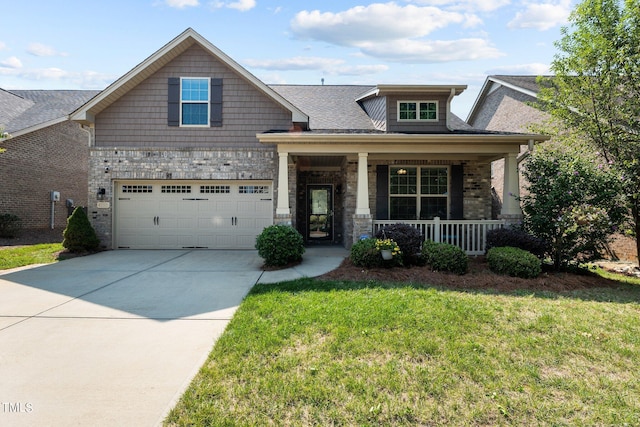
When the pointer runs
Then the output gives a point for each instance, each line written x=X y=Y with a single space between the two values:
x=449 y=99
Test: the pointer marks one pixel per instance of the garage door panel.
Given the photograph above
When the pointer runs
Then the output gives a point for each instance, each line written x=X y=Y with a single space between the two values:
x=177 y=214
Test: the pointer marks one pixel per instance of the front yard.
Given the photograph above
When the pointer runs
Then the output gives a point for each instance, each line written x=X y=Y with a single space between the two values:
x=314 y=352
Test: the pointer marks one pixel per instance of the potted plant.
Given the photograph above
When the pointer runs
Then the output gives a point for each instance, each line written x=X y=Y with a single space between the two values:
x=387 y=248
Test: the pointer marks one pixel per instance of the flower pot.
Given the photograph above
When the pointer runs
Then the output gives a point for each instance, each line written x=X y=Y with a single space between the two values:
x=386 y=254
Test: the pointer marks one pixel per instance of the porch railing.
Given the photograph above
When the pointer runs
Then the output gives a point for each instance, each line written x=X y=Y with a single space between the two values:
x=469 y=235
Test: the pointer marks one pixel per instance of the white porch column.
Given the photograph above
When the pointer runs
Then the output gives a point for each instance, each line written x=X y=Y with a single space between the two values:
x=283 y=185
x=362 y=200
x=511 y=189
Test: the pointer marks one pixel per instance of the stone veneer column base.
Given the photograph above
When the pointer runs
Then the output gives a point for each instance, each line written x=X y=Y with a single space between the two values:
x=362 y=224
x=281 y=219
x=512 y=220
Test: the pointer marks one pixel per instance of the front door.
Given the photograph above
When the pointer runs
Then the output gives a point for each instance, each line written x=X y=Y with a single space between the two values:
x=319 y=213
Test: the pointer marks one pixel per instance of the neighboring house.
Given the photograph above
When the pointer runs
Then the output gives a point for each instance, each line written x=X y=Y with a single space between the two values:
x=190 y=150
x=46 y=152
x=507 y=104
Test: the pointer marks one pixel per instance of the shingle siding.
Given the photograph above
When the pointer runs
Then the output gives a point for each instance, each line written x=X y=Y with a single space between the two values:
x=139 y=119
x=393 y=125
x=34 y=164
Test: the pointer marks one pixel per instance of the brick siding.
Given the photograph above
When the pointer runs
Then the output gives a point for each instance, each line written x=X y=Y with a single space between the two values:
x=34 y=164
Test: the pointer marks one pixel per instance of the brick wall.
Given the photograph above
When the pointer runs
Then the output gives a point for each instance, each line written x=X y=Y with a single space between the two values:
x=34 y=164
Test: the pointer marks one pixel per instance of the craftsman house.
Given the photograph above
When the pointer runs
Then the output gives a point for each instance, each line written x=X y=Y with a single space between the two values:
x=190 y=150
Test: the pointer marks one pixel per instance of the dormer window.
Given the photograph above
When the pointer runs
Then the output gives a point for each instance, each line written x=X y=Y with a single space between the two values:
x=418 y=111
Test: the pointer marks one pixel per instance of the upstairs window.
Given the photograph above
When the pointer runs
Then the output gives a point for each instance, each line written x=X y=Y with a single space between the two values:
x=194 y=101
x=417 y=111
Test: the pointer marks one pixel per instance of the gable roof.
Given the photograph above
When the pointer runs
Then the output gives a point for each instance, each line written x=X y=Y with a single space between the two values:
x=159 y=59
x=526 y=84
x=24 y=111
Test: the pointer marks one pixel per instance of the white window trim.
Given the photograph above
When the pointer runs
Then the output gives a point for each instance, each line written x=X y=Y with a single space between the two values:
x=419 y=194
x=418 y=119
x=208 y=102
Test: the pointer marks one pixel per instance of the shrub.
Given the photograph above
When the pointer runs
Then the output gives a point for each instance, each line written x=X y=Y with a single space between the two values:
x=445 y=257
x=407 y=237
x=79 y=236
x=516 y=238
x=364 y=253
x=10 y=225
x=514 y=262
x=280 y=245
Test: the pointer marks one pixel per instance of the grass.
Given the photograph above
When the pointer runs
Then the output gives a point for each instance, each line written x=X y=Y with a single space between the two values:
x=342 y=353
x=27 y=255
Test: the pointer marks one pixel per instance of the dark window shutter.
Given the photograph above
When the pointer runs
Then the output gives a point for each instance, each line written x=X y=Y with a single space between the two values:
x=457 y=192
x=382 y=192
x=215 y=118
x=173 y=116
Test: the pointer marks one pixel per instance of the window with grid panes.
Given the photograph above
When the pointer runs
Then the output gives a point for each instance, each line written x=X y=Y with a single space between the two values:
x=418 y=192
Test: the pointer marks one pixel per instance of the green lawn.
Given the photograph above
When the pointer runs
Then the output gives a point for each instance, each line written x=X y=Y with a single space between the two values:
x=27 y=255
x=338 y=353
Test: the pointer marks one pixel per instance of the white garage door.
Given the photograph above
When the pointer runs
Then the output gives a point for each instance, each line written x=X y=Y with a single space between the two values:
x=191 y=214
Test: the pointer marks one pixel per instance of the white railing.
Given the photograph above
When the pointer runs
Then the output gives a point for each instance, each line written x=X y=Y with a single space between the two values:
x=469 y=235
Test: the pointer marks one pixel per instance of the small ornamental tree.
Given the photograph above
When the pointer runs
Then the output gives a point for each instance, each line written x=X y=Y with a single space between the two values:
x=79 y=236
x=572 y=202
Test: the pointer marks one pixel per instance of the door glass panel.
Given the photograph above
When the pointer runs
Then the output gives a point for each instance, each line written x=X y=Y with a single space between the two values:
x=320 y=212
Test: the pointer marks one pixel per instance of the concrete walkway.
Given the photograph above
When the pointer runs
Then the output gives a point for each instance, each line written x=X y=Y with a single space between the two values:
x=113 y=339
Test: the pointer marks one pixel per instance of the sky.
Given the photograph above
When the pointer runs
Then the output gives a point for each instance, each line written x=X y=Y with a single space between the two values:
x=70 y=44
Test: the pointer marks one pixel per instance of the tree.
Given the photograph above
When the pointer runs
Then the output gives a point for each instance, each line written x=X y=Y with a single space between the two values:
x=3 y=135
x=596 y=89
x=571 y=202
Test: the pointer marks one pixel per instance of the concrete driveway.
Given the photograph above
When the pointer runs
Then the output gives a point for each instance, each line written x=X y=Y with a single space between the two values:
x=113 y=339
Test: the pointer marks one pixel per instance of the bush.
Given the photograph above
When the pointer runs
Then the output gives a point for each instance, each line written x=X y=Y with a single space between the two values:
x=407 y=237
x=10 y=225
x=514 y=262
x=280 y=245
x=516 y=238
x=445 y=257
x=79 y=236
x=364 y=253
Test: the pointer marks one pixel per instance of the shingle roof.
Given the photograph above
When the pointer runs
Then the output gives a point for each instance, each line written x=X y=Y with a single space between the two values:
x=329 y=107
x=525 y=82
x=335 y=109
x=22 y=109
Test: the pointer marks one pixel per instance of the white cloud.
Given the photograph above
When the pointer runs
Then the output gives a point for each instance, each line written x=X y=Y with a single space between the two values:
x=295 y=63
x=466 y=5
x=181 y=4
x=327 y=65
x=375 y=22
x=535 y=68
x=241 y=5
x=432 y=51
x=39 y=49
x=71 y=79
x=3 y=45
x=11 y=62
x=542 y=16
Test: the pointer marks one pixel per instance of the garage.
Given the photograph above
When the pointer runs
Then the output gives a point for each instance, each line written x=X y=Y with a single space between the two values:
x=191 y=214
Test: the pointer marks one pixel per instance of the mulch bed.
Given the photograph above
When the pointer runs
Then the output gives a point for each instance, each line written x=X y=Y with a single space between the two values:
x=479 y=277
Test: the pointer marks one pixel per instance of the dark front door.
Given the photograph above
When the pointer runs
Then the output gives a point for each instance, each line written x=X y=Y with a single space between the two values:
x=319 y=213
